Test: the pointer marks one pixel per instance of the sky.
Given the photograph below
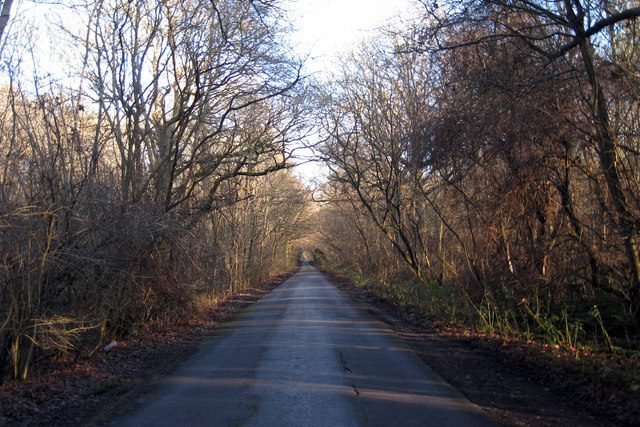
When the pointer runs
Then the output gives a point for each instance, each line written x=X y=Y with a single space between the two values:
x=325 y=30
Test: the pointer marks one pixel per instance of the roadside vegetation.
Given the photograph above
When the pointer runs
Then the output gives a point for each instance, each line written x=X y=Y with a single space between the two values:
x=148 y=183
x=484 y=171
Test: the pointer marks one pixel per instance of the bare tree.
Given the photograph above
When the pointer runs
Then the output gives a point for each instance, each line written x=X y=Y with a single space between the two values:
x=557 y=31
x=194 y=73
x=256 y=234
x=480 y=160
x=371 y=123
x=110 y=189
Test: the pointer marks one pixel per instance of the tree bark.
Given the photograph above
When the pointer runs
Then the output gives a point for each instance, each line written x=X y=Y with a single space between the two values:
x=5 y=13
x=608 y=157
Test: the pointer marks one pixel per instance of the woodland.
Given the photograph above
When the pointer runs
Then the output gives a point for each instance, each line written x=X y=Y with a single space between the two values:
x=485 y=165
x=483 y=168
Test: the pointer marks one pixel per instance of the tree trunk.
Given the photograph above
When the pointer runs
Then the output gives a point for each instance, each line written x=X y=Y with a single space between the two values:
x=608 y=156
x=4 y=17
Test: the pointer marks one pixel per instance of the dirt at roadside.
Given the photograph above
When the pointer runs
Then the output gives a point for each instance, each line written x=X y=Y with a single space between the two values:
x=511 y=388
x=91 y=391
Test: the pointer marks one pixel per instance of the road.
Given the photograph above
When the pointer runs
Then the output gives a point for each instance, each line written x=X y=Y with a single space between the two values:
x=304 y=355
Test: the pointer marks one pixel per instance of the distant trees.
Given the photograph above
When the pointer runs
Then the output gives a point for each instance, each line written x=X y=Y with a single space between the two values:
x=146 y=187
x=257 y=233
x=495 y=149
x=372 y=122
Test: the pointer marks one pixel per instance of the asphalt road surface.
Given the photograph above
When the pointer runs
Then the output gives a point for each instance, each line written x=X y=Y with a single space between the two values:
x=305 y=355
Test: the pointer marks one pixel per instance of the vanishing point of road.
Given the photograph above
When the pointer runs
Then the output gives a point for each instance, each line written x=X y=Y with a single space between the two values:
x=304 y=355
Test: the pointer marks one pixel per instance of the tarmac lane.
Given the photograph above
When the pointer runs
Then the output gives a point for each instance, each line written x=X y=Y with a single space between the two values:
x=304 y=355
